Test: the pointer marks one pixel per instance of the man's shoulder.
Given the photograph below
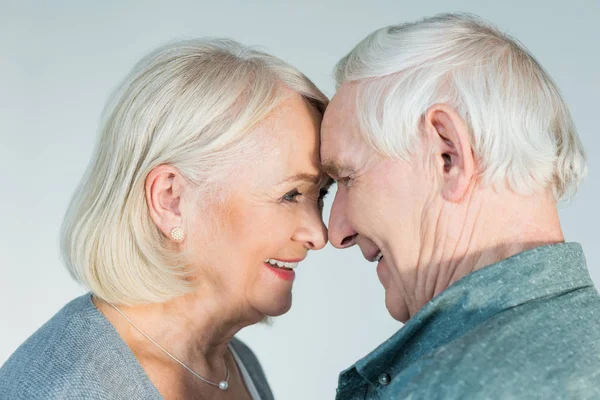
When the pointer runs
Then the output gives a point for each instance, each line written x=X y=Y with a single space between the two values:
x=535 y=350
x=70 y=356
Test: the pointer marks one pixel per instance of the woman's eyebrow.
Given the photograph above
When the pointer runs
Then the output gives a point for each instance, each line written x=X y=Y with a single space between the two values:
x=310 y=178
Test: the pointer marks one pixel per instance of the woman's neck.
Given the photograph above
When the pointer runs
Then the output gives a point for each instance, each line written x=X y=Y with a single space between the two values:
x=195 y=328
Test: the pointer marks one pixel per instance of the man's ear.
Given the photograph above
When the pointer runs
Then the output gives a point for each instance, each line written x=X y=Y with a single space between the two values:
x=452 y=144
x=164 y=186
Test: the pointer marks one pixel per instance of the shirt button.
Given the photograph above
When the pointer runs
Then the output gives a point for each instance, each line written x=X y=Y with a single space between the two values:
x=384 y=379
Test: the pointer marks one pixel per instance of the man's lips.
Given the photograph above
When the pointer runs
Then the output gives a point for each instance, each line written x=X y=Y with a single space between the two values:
x=371 y=251
x=373 y=256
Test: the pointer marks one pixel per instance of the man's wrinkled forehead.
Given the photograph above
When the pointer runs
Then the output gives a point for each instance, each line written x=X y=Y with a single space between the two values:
x=340 y=116
x=339 y=129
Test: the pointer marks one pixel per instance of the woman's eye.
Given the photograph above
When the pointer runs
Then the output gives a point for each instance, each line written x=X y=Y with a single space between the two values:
x=323 y=193
x=291 y=196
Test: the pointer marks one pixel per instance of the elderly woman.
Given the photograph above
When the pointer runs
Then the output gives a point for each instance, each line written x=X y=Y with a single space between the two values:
x=203 y=195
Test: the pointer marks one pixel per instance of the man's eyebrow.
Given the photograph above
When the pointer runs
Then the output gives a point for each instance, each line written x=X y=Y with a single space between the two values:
x=332 y=168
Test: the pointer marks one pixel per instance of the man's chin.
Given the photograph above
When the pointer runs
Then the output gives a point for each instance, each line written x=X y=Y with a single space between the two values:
x=396 y=308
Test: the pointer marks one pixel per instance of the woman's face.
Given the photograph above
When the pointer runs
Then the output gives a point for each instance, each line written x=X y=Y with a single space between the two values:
x=272 y=214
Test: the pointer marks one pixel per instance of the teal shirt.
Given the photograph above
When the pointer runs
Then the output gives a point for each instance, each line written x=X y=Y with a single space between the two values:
x=527 y=327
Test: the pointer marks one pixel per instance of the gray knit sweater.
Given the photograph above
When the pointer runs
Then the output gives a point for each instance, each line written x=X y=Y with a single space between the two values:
x=78 y=355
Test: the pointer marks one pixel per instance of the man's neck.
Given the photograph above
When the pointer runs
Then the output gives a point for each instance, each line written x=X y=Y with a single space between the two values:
x=484 y=229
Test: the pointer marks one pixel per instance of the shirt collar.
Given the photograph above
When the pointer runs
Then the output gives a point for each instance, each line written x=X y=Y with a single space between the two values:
x=530 y=275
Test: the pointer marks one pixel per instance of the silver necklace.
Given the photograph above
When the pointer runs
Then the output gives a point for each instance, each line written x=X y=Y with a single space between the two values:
x=223 y=385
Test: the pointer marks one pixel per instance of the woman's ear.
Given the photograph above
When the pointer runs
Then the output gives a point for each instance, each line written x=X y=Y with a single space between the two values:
x=164 y=186
x=454 y=156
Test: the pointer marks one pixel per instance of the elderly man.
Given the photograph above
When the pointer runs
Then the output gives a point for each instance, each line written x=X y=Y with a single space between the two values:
x=451 y=147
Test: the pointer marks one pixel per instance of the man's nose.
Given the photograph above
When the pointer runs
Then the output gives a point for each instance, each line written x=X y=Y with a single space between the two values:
x=341 y=233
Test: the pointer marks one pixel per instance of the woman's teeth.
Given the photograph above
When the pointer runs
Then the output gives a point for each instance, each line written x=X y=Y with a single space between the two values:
x=379 y=256
x=281 y=264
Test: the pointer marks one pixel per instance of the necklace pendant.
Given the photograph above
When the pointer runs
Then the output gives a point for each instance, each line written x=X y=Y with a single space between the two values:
x=223 y=385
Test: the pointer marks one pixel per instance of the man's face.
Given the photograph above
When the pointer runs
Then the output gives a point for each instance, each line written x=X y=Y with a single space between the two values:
x=381 y=203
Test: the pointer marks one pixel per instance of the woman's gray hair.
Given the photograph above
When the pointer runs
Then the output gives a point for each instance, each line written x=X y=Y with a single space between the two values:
x=189 y=104
x=521 y=129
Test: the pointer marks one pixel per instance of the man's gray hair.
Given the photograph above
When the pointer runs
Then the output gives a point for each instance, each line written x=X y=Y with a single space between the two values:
x=521 y=129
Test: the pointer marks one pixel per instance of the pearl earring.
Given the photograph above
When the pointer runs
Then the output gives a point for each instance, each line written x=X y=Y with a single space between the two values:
x=177 y=234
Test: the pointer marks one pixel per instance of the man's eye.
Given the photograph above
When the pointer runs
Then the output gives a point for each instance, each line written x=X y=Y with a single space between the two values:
x=292 y=196
x=347 y=181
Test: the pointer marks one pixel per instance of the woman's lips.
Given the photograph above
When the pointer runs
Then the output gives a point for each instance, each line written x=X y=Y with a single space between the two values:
x=283 y=273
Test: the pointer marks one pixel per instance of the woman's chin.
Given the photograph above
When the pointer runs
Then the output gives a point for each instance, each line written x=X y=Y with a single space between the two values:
x=274 y=306
x=273 y=291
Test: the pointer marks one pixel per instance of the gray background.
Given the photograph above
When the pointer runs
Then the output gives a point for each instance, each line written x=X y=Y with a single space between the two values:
x=60 y=60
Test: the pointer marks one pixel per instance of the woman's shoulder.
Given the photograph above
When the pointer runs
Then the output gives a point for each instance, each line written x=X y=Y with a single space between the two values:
x=76 y=354
x=253 y=367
